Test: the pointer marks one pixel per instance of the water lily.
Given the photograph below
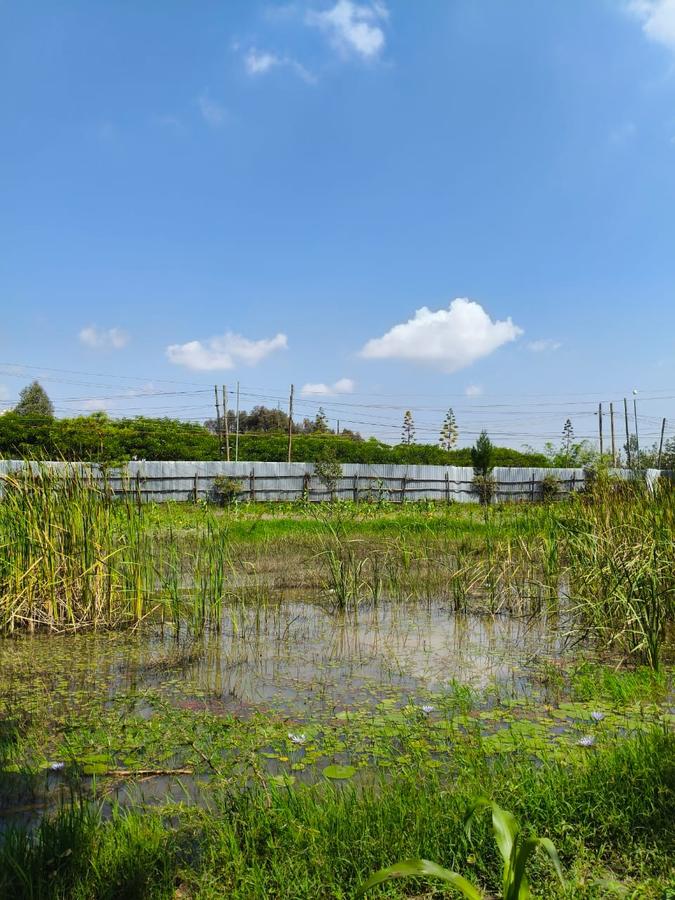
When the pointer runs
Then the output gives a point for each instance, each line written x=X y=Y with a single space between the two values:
x=297 y=738
x=56 y=767
x=426 y=709
x=597 y=716
x=586 y=741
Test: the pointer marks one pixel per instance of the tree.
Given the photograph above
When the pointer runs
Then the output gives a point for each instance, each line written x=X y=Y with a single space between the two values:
x=408 y=428
x=449 y=432
x=321 y=422
x=482 y=459
x=567 y=440
x=481 y=455
x=33 y=401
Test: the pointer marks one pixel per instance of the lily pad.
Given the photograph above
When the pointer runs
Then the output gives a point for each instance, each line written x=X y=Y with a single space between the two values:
x=336 y=772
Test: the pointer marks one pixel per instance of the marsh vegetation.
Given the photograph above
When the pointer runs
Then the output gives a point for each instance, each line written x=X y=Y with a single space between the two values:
x=279 y=700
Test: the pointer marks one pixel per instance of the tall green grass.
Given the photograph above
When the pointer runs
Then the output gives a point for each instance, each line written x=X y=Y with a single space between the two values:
x=610 y=816
x=619 y=548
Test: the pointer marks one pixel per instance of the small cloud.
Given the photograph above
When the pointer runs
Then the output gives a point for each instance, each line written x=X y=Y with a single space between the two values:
x=353 y=28
x=658 y=20
x=106 y=131
x=473 y=390
x=622 y=134
x=224 y=351
x=95 y=404
x=102 y=339
x=341 y=386
x=259 y=62
x=545 y=345
x=212 y=112
x=170 y=123
x=450 y=339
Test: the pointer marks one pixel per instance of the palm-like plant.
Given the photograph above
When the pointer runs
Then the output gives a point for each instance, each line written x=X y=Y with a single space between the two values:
x=515 y=849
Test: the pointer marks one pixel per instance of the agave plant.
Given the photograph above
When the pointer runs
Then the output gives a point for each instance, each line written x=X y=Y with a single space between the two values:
x=515 y=849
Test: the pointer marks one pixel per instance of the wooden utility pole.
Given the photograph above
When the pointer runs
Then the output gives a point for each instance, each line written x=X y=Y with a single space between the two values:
x=236 y=440
x=637 y=435
x=600 y=427
x=663 y=429
x=625 y=415
x=227 y=424
x=290 y=425
x=611 y=423
x=220 y=431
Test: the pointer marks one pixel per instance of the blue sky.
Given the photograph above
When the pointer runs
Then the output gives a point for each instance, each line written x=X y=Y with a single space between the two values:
x=389 y=204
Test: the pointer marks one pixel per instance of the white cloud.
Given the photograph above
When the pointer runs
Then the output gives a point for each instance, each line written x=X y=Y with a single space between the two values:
x=212 y=112
x=95 y=404
x=658 y=19
x=473 y=390
x=341 y=386
x=102 y=339
x=259 y=62
x=353 y=27
x=224 y=351
x=544 y=345
x=623 y=134
x=451 y=338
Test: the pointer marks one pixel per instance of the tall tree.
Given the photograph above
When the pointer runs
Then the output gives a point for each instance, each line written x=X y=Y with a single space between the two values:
x=408 y=428
x=321 y=422
x=567 y=439
x=481 y=455
x=33 y=401
x=449 y=432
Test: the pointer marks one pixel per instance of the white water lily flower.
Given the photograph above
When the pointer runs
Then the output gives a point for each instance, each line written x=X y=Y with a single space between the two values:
x=597 y=716
x=297 y=738
x=586 y=741
x=56 y=767
x=426 y=709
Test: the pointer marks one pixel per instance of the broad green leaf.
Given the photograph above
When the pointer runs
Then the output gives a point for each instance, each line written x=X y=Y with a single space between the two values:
x=419 y=868
x=337 y=772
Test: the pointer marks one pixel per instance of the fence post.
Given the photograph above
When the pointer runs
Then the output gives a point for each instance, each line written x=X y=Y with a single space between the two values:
x=356 y=487
x=306 y=478
x=447 y=487
x=403 y=484
x=532 y=488
x=251 y=484
x=196 y=486
x=138 y=489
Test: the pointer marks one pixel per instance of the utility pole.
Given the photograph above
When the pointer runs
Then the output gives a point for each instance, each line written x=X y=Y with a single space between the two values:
x=227 y=426
x=220 y=432
x=236 y=440
x=663 y=428
x=637 y=436
x=611 y=422
x=625 y=415
x=600 y=427
x=290 y=425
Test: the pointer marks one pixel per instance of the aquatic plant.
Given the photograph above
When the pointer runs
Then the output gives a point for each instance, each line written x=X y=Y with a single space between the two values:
x=514 y=847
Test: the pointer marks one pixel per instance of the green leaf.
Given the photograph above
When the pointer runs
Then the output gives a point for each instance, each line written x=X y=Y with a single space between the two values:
x=422 y=867
x=337 y=772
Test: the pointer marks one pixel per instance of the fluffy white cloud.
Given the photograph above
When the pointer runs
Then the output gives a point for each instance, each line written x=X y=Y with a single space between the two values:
x=261 y=62
x=473 y=390
x=102 y=339
x=341 y=386
x=224 y=351
x=451 y=338
x=353 y=27
x=212 y=112
x=658 y=19
x=544 y=345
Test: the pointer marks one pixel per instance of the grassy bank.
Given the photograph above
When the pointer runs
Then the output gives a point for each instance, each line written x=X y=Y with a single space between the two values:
x=610 y=814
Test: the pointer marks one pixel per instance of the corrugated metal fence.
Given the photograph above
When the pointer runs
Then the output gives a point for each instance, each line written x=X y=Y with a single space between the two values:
x=256 y=481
